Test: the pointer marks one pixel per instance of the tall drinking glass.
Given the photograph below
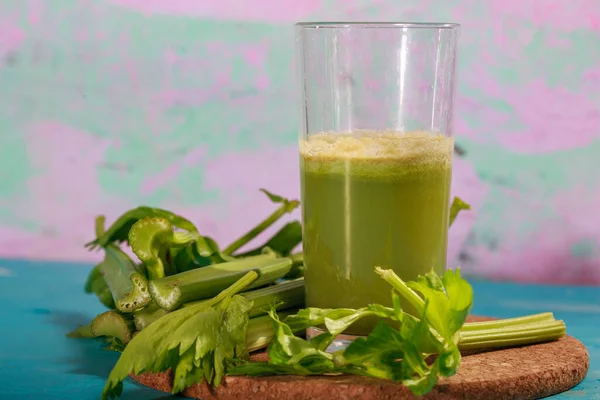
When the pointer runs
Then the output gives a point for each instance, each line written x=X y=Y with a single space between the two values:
x=375 y=154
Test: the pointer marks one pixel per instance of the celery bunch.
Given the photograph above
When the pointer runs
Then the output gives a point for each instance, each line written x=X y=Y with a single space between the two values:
x=186 y=304
x=182 y=293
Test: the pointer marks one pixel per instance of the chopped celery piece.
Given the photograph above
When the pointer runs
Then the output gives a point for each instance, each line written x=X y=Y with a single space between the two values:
x=118 y=232
x=127 y=285
x=113 y=324
x=84 y=331
x=151 y=238
x=96 y=284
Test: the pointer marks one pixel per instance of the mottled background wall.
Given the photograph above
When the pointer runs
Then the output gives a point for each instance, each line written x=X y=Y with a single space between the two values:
x=189 y=105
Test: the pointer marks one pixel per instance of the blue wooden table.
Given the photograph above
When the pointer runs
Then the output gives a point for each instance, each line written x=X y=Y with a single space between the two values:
x=42 y=301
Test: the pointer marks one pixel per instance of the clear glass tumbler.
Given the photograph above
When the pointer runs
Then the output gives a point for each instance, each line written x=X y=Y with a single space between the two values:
x=376 y=152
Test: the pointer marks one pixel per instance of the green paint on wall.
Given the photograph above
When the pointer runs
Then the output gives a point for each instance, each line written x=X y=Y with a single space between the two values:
x=522 y=186
x=584 y=249
x=544 y=174
x=560 y=57
x=14 y=162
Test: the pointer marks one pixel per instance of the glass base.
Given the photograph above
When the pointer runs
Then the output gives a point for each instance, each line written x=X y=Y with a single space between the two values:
x=339 y=343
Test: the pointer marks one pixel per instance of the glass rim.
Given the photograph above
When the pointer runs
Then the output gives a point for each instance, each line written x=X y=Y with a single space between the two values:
x=408 y=25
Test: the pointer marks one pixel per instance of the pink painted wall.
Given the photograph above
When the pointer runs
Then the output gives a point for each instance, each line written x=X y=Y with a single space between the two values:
x=188 y=105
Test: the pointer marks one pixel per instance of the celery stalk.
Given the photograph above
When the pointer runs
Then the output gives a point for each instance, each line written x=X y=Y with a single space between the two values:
x=281 y=296
x=297 y=258
x=260 y=331
x=172 y=291
x=148 y=315
x=514 y=335
x=95 y=282
x=402 y=288
x=285 y=295
x=287 y=206
x=501 y=323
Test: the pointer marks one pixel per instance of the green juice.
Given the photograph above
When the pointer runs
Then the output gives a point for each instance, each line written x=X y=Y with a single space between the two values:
x=372 y=199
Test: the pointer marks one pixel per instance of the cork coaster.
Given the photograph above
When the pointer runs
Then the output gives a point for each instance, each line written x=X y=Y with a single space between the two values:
x=529 y=372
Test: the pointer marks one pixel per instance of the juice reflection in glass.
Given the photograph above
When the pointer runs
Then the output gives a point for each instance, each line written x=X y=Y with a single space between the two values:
x=376 y=156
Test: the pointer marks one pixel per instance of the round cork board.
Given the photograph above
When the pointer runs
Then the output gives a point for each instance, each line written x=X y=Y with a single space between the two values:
x=529 y=372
